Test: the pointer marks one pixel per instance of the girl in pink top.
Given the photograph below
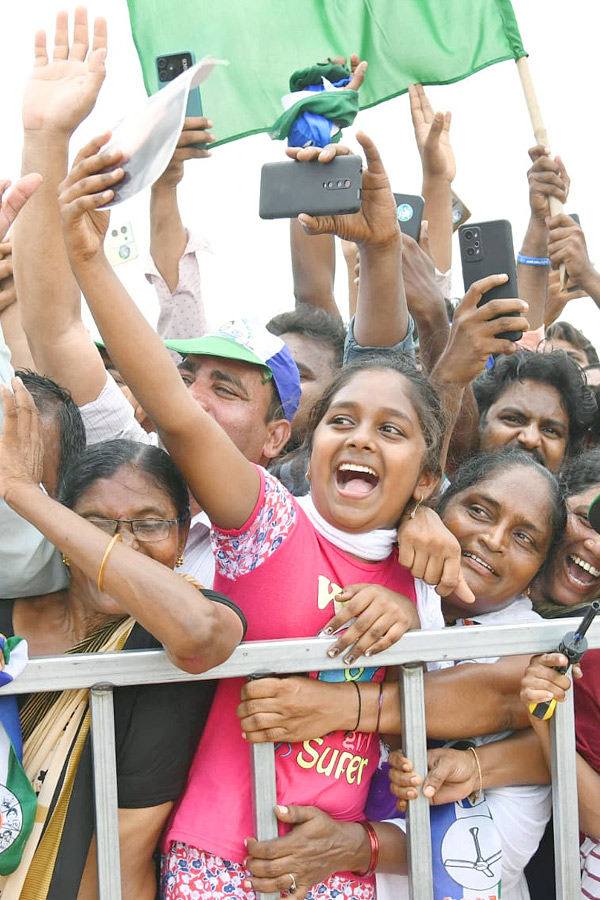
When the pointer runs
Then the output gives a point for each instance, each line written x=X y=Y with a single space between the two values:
x=375 y=449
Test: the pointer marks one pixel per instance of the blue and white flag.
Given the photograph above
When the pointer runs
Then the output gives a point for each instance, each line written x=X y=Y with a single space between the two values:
x=17 y=797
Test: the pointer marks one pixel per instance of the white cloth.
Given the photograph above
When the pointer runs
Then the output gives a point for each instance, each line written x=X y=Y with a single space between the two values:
x=111 y=416
x=198 y=558
x=590 y=868
x=182 y=313
x=371 y=545
x=520 y=812
x=29 y=564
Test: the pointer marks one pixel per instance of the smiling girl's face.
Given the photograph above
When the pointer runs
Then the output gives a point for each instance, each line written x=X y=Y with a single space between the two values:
x=368 y=452
x=504 y=527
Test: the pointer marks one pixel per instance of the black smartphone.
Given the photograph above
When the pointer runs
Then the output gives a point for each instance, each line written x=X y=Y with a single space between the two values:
x=460 y=212
x=486 y=248
x=319 y=189
x=409 y=209
x=168 y=67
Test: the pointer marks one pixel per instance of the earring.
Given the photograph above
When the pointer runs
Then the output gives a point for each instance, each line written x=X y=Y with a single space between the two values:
x=179 y=561
x=414 y=512
x=66 y=561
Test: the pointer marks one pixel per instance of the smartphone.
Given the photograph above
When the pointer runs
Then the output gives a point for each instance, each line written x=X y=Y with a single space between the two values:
x=460 y=212
x=319 y=189
x=169 y=67
x=486 y=248
x=120 y=244
x=409 y=209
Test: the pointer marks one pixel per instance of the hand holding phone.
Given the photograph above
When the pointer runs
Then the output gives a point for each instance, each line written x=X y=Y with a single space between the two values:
x=167 y=69
x=409 y=209
x=486 y=248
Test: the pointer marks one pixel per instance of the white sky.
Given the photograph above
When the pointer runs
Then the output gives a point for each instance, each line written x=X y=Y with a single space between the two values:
x=250 y=272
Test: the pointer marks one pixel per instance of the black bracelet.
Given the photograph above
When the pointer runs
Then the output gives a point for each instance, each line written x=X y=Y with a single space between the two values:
x=355 y=683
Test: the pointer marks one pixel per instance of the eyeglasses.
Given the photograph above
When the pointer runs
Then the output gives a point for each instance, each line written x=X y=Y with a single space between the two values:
x=147 y=530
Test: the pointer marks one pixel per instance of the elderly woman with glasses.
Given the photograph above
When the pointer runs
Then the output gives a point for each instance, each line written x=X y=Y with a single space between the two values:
x=121 y=524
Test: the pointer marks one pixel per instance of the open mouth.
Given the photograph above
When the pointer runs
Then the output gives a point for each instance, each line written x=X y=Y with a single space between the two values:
x=479 y=564
x=356 y=480
x=582 y=573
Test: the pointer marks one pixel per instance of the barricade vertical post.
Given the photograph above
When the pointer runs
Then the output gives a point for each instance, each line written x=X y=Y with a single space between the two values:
x=264 y=798
x=564 y=801
x=414 y=741
x=105 y=792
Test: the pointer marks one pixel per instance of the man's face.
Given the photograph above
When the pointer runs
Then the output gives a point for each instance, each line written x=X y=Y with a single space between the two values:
x=237 y=396
x=529 y=415
x=316 y=364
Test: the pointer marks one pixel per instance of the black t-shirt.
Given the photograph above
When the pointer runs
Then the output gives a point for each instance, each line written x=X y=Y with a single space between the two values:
x=157 y=729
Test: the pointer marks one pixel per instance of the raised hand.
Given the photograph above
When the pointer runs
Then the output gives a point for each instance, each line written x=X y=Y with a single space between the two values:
x=194 y=132
x=88 y=186
x=21 y=445
x=376 y=223
x=547 y=178
x=432 y=133
x=8 y=295
x=61 y=92
x=15 y=200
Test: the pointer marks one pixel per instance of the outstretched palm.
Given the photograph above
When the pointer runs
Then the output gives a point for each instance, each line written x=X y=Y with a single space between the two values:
x=432 y=133
x=61 y=92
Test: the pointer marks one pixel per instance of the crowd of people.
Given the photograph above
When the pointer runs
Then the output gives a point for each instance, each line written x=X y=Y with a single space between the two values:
x=188 y=488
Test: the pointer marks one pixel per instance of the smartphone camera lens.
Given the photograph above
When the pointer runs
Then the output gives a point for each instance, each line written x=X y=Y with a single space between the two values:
x=340 y=184
x=476 y=243
x=162 y=62
x=347 y=183
x=468 y=235
x=470 y=251
x=162 y=76
x=114 y=232
x=123 y=229
x=330 y=184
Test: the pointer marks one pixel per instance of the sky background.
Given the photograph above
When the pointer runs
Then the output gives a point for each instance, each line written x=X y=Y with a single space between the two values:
x=249 y=272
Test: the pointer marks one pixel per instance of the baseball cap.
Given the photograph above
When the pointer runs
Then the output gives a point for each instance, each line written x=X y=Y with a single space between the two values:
x=249 y=341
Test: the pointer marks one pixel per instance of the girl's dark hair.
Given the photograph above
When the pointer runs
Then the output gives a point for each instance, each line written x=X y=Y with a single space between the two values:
x=102 y=461
x=483 y=466
x=582 y=472
x=422 y=396
x=564 y=331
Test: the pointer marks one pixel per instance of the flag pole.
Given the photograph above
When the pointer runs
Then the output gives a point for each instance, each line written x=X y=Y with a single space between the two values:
x=541 y=136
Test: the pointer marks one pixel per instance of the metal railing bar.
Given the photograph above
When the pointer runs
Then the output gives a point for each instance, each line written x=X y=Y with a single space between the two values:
x=418 y=833
x=105 y=791
x=52 y=673
x=564 y=801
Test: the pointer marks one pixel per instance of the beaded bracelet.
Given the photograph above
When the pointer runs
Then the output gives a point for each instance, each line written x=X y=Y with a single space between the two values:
x=533 y=260
x=374 y=843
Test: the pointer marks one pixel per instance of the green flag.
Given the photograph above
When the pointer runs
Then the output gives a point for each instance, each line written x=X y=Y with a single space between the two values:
x=404 y=41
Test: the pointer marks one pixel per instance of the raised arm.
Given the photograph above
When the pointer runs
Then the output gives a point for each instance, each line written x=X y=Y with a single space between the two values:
x=381 y=315
x=432 y=133
x=221 y=479
x=547 y=178
x=196 y=633
x=567 y=245
x=59 y=95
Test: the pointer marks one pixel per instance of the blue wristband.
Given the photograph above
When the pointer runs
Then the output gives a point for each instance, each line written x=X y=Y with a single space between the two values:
x=533 y=260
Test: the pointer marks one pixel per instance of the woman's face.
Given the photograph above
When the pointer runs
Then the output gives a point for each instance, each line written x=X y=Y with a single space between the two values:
x=573 y=576
x=131 y=494
x=368 y=453
x=503 y=525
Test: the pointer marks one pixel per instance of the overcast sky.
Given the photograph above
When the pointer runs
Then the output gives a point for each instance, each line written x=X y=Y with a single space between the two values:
x=491 y=133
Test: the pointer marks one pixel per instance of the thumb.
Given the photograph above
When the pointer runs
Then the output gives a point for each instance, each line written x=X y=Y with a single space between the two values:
x=463 y=591
x=294 y=815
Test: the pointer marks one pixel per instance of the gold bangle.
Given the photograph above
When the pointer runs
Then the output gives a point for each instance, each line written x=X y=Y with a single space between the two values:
x=113 y=541
x=477 y=796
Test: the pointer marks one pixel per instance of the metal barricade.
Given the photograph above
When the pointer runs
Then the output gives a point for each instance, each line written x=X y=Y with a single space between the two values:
x=102 y=672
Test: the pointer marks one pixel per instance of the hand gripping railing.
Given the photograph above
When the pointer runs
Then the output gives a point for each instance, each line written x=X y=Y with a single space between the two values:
x=102 y=672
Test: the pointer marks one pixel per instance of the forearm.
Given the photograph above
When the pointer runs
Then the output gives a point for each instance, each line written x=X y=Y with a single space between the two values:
x=196 y=633
x=48 y=292
x=533 y=280
x=433 y=327
x=313 y=267
x=590 y=283
x=168 y=237
x=517 y=760
x=437 y=193
x=381 y=312
x=12 y=328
